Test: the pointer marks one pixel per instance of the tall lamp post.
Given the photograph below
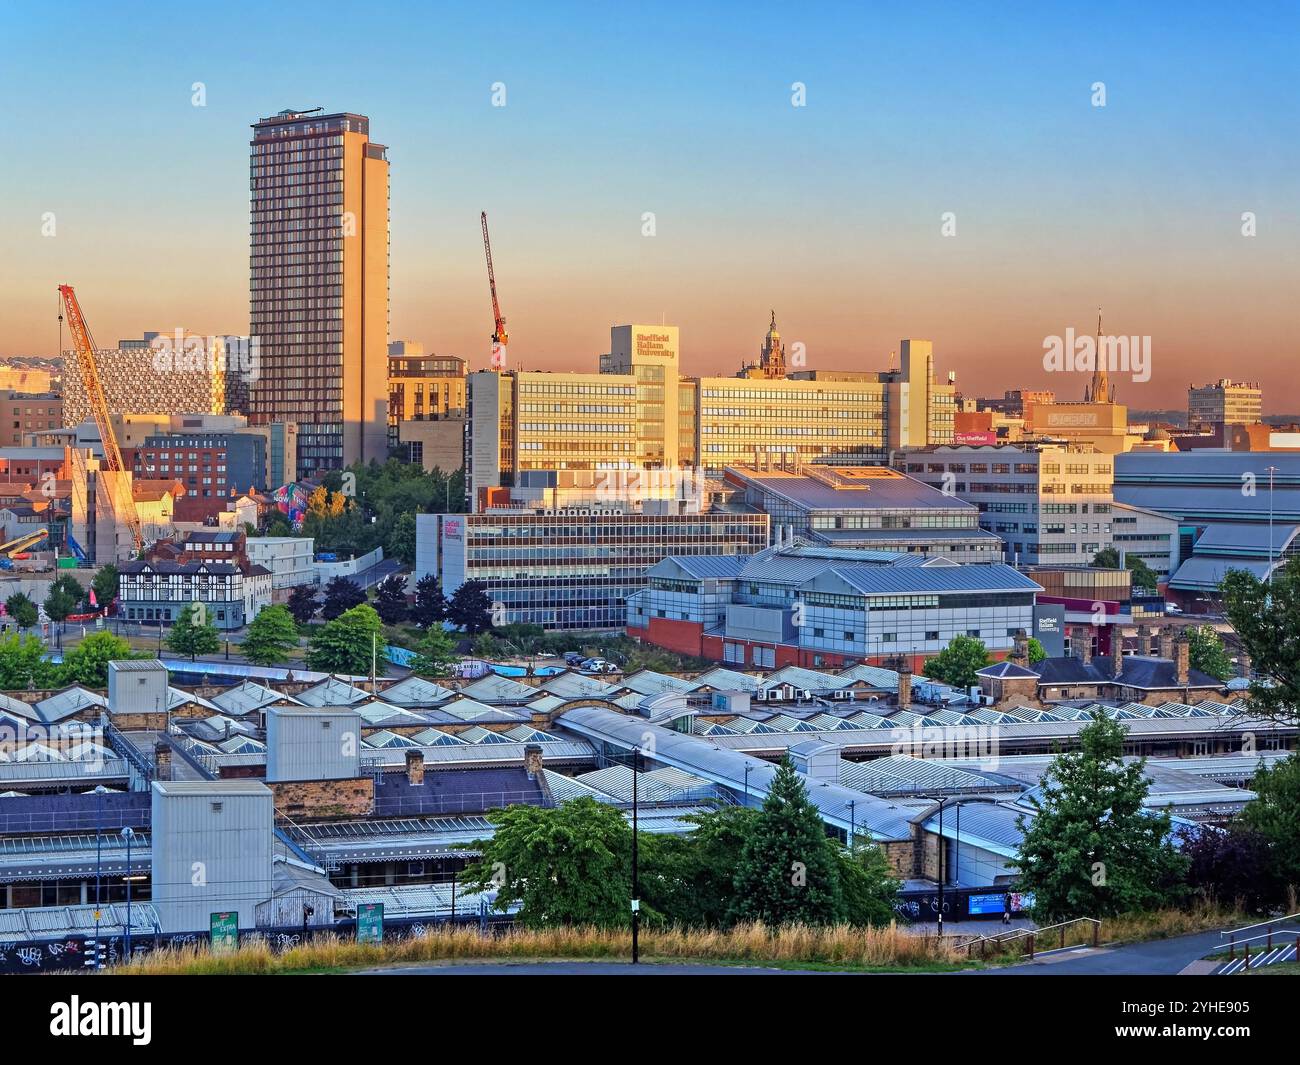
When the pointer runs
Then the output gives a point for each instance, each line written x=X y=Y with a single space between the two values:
x=1271 y=471
x=100 y=792
x=128 y=834
x=636 y=882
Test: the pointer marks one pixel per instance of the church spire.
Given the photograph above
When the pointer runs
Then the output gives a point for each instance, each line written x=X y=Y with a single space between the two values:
x=1099 y=392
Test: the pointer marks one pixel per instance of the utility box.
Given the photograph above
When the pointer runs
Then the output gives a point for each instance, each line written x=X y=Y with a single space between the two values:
x=212 y=851
x=137 y=687
x=305 y=743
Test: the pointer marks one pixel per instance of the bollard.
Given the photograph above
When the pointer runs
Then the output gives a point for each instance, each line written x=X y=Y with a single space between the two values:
x=1246 y=968
x=1062 y=937
x=1232 y=948
x=1096 y=933
x=1031 y=946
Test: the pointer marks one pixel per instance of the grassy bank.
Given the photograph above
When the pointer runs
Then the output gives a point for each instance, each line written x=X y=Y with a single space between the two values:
x=790 y=946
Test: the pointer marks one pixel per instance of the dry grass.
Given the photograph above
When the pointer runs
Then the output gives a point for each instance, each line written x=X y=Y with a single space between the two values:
x=792 y=945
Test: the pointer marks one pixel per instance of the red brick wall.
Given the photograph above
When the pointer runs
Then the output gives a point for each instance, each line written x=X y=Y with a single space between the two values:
x=681 y=636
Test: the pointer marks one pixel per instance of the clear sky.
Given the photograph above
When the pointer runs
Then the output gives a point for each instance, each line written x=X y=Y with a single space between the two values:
x=830 y=213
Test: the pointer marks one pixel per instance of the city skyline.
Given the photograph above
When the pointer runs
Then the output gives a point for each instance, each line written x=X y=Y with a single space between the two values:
x=832 y=213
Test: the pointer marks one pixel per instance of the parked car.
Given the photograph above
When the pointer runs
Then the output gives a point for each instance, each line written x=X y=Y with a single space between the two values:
x=572 y=658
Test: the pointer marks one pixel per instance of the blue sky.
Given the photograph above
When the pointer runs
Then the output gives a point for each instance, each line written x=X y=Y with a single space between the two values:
x=829 y=213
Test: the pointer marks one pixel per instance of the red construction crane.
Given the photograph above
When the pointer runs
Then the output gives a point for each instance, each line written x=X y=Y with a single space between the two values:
x=499 y=336
x=119 y=492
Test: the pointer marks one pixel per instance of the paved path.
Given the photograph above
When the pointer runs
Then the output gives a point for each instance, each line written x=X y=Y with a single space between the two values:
x=1158 y=957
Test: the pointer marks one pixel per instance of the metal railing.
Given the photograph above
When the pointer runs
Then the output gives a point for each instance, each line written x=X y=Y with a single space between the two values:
x=1030 y=936
x=1236 y=938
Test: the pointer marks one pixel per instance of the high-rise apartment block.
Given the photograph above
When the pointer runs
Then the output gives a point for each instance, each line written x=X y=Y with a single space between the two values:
x=1224 y=402
x=639 y=412
x=319 y=285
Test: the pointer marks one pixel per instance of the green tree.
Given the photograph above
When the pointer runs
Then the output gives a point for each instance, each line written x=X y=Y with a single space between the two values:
x=1143 y=576
x=345 y=644
x=303 y=604
x=105 y=583
x=87 y=663
x=470 y=609
x=868 y=885
x=21 y=610
x=1275 y=815
x=565 y=865
x=430 y=604
x=690 y=878
x=957 y=663
x=1092 y=849
x=1037 y=652
x=435 y=653
x=1266 y=620
x=1208 y=653
x=270 y=637
x=390 y=599
x=193 y=634
x=788 y=871
x=59 y=604
x=23 y=664
x=401 y=539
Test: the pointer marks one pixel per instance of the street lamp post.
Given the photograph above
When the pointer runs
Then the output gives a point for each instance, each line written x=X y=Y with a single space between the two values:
x=128 y=834
x=747 y=771
x=100 y=792
x=942 y=848
x=636 y=884
x=1271 y=471
x=853 y=820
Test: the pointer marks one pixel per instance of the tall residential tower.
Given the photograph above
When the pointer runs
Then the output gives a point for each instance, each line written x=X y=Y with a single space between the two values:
x=319 y=285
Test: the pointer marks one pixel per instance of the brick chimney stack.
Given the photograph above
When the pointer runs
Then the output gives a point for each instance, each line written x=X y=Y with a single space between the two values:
x=1085 y=645
x=904 y=685
x=1021 y=652
x=162 y=760
x=1244 y=665
x=1167 y=642
x=533 y=760
x=1144 y=639
x=1182 y=658
x=1116 y=651
x=415 y=768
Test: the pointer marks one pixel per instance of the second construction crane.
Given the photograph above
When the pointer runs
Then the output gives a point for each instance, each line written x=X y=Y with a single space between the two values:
x=118 y=486
x=499 y=336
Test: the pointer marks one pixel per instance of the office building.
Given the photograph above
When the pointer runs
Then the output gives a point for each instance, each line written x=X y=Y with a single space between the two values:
x=212 y=467
x=797 y=604
x=22 y=415
x=640 y=413
x=319 y=285
x=867 y=507
x=1048 y=502
x=571 y=567
x=1224 y=402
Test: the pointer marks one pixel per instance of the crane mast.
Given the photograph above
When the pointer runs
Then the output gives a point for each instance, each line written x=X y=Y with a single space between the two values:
x=123 y=503
x=499 y=335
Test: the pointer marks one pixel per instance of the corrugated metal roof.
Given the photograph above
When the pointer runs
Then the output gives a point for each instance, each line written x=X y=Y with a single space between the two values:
x=1206 y=572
